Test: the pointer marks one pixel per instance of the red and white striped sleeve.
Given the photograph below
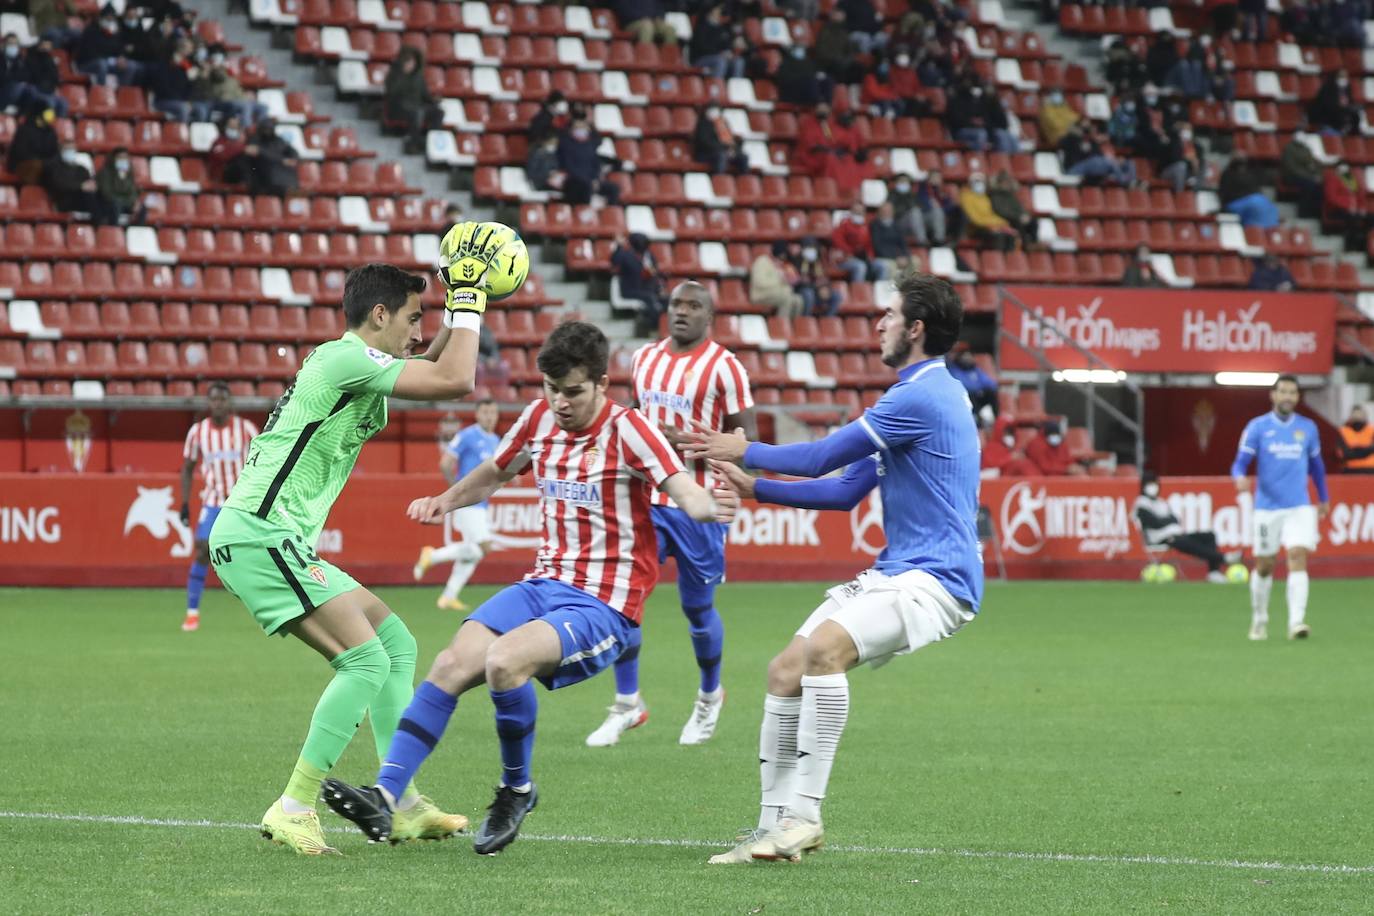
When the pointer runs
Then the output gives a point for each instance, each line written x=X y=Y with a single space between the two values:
x=734 y=386
x=646 y=451
x=191 y=450
x=250 y=432
x=513 y=453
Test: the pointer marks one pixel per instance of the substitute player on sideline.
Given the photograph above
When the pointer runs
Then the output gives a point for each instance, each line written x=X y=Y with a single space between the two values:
x=919 y=446
x=683 y=379
x=219 y=446
x=468 y=449
x=1287 y=450
x=262 y=546
x=594 y=464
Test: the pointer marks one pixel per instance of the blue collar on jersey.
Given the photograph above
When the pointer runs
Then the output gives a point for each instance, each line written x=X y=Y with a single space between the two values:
x=1291 y=417
x=909 y=371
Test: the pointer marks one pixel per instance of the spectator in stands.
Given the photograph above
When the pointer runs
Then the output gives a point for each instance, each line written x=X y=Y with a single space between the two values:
x=797 y=79
x=1239 y=190
x=773 y=281
x=852 y=247
x=44 y=75
x=1299 y=167
x=453 y=215
x=714 y=146
x=1084 y=155
x=492 y=369
x=99 y=53
x=851 y=171
x=901 y=193
x=821 y=139
x=939 y=204
x=229 y=158
x=1003 y=191
x=1223 y=81
x=541 y=167
x=1123 y=66
x=217 y=92
x=1191 y=74
x=406 y=99
x=52 y=23
x=1334 y=111
x=1002 y=457
x=644 y=19
x=981 y=387
x=170 y=84
x=133 y=37
x=1055 y=118
x=1140 y=271
x=550 y=119
x=1180 y=161
x=833 y=49
x=977 y=119
x=865 y=28
x=982 y=221
x=34 y=143
x=582 y=165
x=907 y=85
x=879 y=94
x=18 y=86
x=1270 y=274
x=117 y=189
x=1343 y=200
x=1254 y=19
x=1050 y=454
x=640 y=279
x=1345 y=23
x=712 y=46
x=1357 y=443
x=157 y=44
x=819 y=296
x=1124 y=123
x=71 y=187
x=1161 y=58
x=889 y=244
x=272 y=161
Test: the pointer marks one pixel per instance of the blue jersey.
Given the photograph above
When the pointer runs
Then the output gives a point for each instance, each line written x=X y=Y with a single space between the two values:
x=927 y=474
x=471 y=447
x=1285 y=453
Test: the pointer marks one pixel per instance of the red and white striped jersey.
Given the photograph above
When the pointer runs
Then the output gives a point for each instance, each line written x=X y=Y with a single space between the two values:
x=221 y=451
x=706 y=383
x=594 y=487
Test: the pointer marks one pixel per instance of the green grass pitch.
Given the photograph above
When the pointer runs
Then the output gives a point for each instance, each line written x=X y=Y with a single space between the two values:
x=1079 y=748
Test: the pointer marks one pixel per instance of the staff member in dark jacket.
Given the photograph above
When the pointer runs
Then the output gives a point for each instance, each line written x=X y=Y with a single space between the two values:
x=1161 y=528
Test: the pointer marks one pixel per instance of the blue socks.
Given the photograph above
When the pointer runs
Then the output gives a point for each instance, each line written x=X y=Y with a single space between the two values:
x=627 y=666
x=515 y=713
x=195 y=585
x=421 y=726
x=708 y=640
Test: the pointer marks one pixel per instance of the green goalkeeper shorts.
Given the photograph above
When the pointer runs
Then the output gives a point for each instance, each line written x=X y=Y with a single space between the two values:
x=271 y=570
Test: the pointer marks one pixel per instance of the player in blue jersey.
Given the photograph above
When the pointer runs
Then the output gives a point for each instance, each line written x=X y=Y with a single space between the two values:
x=468 y=449
x=919 y=446
x=1286 y=450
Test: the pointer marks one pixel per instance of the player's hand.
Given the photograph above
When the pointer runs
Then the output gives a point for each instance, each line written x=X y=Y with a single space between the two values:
x=185 y=513
x=677 y=437
x=727 y=502
x=1242 y=484
x=733 y=476
x=705 y=442
x=427 y=510
x=1323 y=509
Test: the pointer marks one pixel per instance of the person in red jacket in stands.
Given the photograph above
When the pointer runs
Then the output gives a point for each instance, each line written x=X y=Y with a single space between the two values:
x=1051 y=454
x=1001 y=457
x=821 y=141
x=228 y=159
x=1344 y=200
x=906 y=84
x=853 y=247
x=879 y=93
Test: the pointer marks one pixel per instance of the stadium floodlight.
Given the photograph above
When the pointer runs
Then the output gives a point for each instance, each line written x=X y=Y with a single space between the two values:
x=1089 y=376
x=1248 y=379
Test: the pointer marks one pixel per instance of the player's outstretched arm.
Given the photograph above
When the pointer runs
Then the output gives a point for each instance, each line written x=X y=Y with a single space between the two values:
x=450 y=375
x=843 y=447
x=479 y=484
x=700 y=504
x=843 y=493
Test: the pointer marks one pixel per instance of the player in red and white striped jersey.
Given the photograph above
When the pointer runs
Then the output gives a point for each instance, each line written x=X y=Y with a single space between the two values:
x=683 y=378
x=218 y=445
x=595 y=464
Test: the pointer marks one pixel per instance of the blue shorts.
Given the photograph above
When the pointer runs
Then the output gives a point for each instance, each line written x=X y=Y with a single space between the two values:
x=698 y=547
x=208 y=514
x=592 y=633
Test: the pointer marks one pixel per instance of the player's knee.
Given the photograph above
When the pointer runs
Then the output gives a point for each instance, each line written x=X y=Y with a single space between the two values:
x=829 y=650
x=450 y=672
x=507 y=666
x=784 y=674
x=1297 y=560
x=1264 y=566
x=372 y=666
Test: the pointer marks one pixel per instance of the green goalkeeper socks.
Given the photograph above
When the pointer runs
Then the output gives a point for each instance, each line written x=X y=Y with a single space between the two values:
x=359 y=673
x=391 y=701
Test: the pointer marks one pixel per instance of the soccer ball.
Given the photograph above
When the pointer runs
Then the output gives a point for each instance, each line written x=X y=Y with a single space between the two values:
x=1237 y=573
x=1159 y=572
x=487 y=256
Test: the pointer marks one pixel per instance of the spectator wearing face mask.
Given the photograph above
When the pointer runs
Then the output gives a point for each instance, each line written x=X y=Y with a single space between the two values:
x=1049 y=453
x=982 y=221
x=229 y=162
x=541 y=166
x=1002 y=457
x=819 y=296
x=550 y=119
x=1160 y=528
x=116 y=186
x=170 y=84
x=772 y=283
x=218 y=92
x=1357 y=443
x=640 y=279
x=889 y=244
x=1006 y=203
x=1299 y=167
x=1270 y=274
x=34 y=143
x=1124 y=122
x=72 y=189
x=714 y=146
x=581 y=163
x=1123 y=66
x=940 y=209
x=99 y=52
x=1140 y=271
x=797 y=79
x=1180 y=161
x=878 y=94
x=1085 y=157
x=906 y=210
x=19 y=84
x=272 y=161
x=964 y=115
x=981 y=387
x=820 y=141
x=1191 y=74
x=1055 y=118
x=711 y=48
x=907 y=85
x=1334 y=111
x=853 y=247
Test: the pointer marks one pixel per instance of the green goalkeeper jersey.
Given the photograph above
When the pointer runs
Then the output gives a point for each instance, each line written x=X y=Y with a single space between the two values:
x=300 y=462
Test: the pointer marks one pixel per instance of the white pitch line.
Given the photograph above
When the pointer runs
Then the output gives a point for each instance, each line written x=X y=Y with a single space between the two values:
x=929 y=852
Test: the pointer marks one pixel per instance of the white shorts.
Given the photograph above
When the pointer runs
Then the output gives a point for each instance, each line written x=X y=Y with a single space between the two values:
x=1285 y=528
x=891 y=615
x=473 y=523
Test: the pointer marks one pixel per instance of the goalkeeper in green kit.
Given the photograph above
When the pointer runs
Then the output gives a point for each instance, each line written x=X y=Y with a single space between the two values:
x=262 y=544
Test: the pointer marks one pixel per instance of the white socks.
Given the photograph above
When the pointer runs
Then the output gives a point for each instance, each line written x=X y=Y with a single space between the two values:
x=824 y=711
x=291 y=806
x=1259 y=597
x=777 y=756
x=1297 y=598
x=464 y=557
x=627 y=699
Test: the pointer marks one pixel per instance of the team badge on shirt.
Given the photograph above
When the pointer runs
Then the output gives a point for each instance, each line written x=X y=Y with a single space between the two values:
x=318 y=575
x=1299 y=435
x=589 y=459
x=380 y=358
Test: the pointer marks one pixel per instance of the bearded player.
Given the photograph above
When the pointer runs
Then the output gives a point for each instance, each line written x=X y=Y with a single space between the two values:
x=685 y=378
x=595 y=464
x=262 y=545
